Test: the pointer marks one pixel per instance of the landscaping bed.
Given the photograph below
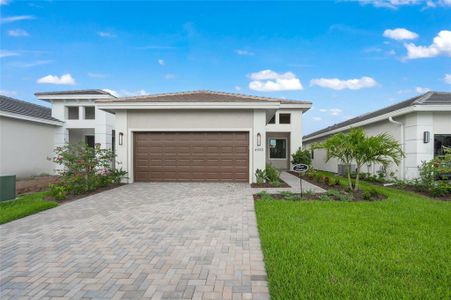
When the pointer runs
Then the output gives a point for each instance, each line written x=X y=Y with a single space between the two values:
x=392 y=249
x=281 y=184
x=73 y=197
x=330 y=195
x=34 y=184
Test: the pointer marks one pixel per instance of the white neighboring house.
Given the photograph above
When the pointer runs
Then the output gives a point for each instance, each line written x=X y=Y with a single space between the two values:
x=422 y=125
x=204 y=135
x=27 y=132
x=83 y=121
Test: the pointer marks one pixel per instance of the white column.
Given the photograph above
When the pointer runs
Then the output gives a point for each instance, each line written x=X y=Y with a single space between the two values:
x=258 y=153
x=295 y=133
x=122 y=150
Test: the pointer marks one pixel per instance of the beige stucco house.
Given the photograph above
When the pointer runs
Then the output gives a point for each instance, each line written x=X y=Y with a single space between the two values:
x=186 y=136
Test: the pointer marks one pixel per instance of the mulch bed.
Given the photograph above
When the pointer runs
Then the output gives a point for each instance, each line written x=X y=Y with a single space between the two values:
x=356 y=197
x=71 y=198
x=268 y=185
x=34 y=184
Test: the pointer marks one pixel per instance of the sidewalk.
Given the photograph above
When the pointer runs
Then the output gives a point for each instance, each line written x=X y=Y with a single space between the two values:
x=292 y=181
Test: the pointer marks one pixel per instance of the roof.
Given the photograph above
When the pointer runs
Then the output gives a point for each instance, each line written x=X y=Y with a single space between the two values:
x=201 y=96
x=76 y=92
x=19 y=107
x=429 y=98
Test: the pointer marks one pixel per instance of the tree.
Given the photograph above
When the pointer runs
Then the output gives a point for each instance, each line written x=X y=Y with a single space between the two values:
x=355 y=146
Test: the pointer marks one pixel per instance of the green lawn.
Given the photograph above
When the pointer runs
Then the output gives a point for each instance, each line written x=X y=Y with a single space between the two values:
x=24 y=206
x=391 y=249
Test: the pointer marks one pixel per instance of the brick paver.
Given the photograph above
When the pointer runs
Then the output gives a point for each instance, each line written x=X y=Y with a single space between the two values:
x=143 y=240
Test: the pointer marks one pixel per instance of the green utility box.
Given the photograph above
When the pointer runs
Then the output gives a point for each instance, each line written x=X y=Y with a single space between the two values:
x=7 y=187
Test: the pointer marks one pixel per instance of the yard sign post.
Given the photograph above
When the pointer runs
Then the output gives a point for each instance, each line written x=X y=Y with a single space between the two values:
x=300 y=169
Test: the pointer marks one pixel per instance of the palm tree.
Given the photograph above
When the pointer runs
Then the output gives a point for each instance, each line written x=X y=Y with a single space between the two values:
x=356 y=147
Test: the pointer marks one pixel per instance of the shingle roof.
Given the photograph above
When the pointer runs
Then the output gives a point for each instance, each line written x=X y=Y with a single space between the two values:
x=15 y=106
x=76 y=92
x=429 y=98
x=201 y=96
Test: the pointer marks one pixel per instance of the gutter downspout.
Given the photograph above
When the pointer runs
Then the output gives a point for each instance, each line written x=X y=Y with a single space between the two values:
x=390 y=119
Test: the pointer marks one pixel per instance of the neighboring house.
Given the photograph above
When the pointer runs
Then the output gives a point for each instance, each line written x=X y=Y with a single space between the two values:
x=203 y=135
x=26 y=138
x=83 y=121
x=422 y=125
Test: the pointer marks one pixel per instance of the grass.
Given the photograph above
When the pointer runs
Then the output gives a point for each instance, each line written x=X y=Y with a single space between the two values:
x=391 y=249
x=23 y=206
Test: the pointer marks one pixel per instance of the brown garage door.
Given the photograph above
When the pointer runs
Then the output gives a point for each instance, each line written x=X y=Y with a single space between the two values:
x=191 y=156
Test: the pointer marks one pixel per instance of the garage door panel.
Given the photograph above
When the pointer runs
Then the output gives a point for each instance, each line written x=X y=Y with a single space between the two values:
x=191 y=156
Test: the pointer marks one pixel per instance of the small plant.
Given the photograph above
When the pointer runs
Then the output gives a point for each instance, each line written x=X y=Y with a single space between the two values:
x=58 y=192
x=324 y=198
x=326 y=179
x=337 y=195
x=272 y=174
x=309 y=193
x=288 y=195
x=261 y=176
x=336 y=181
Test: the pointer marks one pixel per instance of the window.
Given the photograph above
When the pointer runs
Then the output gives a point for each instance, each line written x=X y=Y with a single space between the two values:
x=273 y=120
x=277 y=148
x=90 y=141
x=284 y=118
x=90 y=113
x=72 y=112
x=440 y=141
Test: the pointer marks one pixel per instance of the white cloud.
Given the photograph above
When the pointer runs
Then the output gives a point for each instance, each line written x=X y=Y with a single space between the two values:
x=244 y=52
x=237 y=88
x=17 y=33
x=15 y=19
x=54 y=79
x=441 y=45
x=169 y=76
x=31 y=64
x=447 y=78
x=126 y=93
x=4 y=2
x=400 y=34
x=8 y=93
x=106 y=34
x=394 y=4
x=331 y=111
x=161 y=62
x=339 y=84
x=270 y=81
x=421 y=90
x=112 y=92
x=96 y=75
x=6 y=53
x=317 y=119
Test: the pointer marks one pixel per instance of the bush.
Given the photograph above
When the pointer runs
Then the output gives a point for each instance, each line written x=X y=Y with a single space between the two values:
x=83 y=169
x=269 y=174
x=301 y=157
x=261 y=176
x=288 y=195
x=434 y=175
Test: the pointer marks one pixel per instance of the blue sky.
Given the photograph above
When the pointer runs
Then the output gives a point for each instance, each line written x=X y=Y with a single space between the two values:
x=347 y=57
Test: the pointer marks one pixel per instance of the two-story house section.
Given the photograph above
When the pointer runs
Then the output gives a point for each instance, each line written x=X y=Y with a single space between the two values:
x=83 y=121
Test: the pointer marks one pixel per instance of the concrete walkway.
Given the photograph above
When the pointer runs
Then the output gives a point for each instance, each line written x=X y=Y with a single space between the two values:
x=146 y=240
x=293 y=181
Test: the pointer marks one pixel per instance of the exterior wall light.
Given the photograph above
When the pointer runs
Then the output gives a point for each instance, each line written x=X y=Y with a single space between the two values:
x=426 y=137
x=259 y=139
x=121 y=138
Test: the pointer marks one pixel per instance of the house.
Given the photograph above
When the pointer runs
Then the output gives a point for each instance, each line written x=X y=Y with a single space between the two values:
x=186 y=136
x=27 y=133
x=204 y=135
x=82 y=120
x=422 y=125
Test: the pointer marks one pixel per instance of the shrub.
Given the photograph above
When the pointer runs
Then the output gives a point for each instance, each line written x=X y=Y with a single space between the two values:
x=272 y=174
x=261 y=176
x=434 y=175
x=288 y=195
x=83 y=169
x=337 y=195
x=301 y=157
x=326 y=179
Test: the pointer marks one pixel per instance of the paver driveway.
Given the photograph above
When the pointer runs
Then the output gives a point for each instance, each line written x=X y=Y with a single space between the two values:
x=143 y=240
